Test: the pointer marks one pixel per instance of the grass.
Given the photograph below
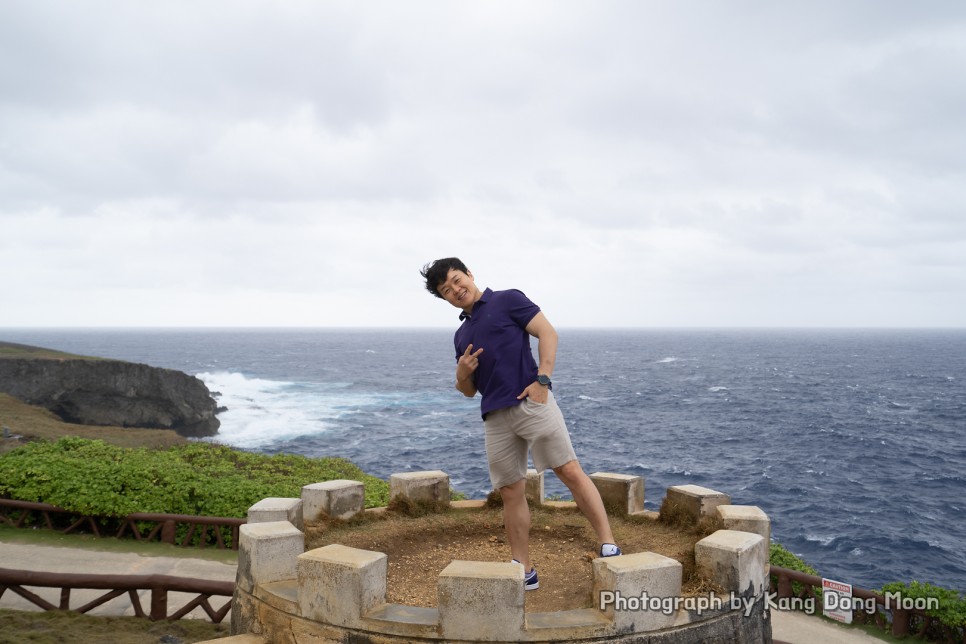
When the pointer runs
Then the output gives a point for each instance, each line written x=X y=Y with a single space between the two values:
x=13 y=350
x=28 y=422
x=53 y=627
x=21 y=627
x=36 y=423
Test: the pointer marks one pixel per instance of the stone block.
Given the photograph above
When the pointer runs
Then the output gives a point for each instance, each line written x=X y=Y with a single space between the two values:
x=623 y=584
x=429 y=487
x=277 y=509
x=339 y=584
x=535 y=488
x=745 y=518
x=621 y=493
x=339 y=499
x=734 y=560
x=696 y=500
x=267 y=552
x=481 y=601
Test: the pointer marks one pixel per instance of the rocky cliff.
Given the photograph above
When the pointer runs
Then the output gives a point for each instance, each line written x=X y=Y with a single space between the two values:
x=111 y=392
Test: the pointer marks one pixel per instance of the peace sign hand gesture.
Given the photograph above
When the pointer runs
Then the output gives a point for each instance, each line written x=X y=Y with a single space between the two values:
x=467 y=363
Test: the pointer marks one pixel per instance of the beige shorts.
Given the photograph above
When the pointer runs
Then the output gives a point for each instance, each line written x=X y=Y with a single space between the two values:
x=530 y=426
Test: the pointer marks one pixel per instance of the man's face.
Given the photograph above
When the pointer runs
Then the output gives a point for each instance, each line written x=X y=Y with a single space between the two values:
x=460 y=290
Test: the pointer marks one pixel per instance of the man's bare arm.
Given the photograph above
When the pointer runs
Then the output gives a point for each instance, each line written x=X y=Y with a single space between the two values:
x=540 y=328
x=465 y=368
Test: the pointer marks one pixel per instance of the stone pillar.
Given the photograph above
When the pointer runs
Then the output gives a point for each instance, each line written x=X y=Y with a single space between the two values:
x=277 y=509
x=745 y=518
x=431 y=486
x=734 y=560
x=696 y=500
x=267 y=552
x=621 y=493
x=339 y=499
x=339 y=585
x=481 y=601
x=535 y=490
x=627 y=579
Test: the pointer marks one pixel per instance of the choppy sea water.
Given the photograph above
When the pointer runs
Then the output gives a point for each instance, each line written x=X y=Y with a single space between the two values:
x=852 y=441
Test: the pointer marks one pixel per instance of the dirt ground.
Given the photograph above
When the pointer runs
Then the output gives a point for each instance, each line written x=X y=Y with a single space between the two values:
x=562 y=546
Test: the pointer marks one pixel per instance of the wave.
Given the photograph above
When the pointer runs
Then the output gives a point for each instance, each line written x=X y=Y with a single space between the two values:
x=823 y=539
x=263 y=412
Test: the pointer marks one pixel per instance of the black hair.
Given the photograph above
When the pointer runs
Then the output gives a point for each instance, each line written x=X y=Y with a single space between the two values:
x=436 y=272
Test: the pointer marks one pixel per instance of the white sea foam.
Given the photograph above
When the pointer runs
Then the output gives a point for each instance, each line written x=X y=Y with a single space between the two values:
x=667 y=360
x=823 y=539
x=261 y=412
x=717 y=389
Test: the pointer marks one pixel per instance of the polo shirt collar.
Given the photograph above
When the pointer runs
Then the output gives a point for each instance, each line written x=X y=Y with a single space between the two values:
x=483 y=298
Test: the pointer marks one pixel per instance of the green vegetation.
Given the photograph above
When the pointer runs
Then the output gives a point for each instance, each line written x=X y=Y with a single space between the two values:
x=18 y=627
x=952 y=604
x=13 y=350
x=951 y=610
x=780 y=556
x=95 y=478
x=36 y=423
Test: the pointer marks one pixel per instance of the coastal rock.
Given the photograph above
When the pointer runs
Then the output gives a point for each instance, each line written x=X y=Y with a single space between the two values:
x=111 y=392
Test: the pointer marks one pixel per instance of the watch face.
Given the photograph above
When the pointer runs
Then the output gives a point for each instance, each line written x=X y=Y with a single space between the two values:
x=543 y=380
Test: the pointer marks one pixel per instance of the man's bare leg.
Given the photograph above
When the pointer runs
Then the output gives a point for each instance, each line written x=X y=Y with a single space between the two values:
x=516 y=518
x=587 y=497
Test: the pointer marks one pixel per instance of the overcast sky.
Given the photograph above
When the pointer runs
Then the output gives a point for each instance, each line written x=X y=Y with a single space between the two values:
x=240 y=163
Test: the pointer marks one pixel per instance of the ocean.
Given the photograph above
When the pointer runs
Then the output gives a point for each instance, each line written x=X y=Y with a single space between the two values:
x=852 y=441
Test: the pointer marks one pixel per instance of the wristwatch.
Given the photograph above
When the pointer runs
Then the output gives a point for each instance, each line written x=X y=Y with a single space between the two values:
x=543 y=380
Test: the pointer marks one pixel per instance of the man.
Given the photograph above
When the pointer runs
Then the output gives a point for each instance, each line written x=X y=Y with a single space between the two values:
x=493 y=358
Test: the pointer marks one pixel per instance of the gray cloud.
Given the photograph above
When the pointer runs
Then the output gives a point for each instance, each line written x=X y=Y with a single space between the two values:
x=625 y=163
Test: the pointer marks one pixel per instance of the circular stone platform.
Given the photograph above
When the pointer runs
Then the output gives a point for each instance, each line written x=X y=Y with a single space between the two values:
x=339 y=593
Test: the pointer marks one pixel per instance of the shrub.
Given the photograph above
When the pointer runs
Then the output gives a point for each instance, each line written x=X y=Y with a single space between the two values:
x=780 y=556
x=951 y=609
x=95 y=478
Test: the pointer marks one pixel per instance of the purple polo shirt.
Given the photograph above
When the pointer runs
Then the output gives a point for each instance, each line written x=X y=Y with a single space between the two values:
x=497 y=325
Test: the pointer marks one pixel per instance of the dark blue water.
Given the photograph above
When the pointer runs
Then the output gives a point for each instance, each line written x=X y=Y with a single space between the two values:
x=851 y=441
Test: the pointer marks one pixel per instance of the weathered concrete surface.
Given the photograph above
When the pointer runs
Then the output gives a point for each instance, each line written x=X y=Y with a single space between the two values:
x=734 y=560
x=277 y=509
x=481 y=601
x=629 y=577
x=340 y=499
x=535 y=490
x=268 y=552
x=698 y=501
x=745 y=518
x=338 y=584
x=430 y=486
x=112 y=392
x=621 y=493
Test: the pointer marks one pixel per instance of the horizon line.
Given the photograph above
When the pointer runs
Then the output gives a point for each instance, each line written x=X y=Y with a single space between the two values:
x=451 y=327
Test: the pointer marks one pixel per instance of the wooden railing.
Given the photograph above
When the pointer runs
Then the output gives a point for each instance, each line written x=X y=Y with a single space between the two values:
x=900 y=622
x=165 y=528
x=118 y=585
